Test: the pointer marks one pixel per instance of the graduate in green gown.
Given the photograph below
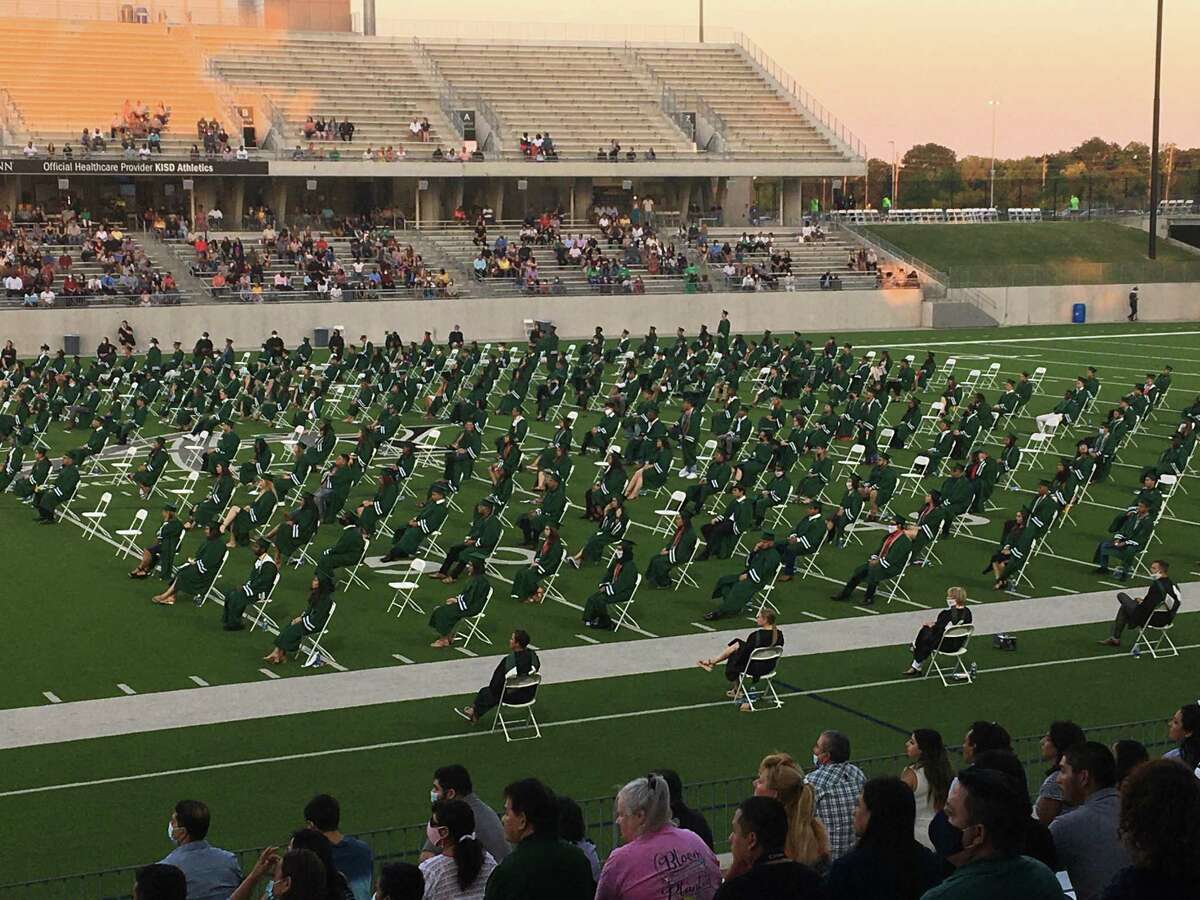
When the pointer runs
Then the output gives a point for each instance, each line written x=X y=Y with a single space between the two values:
x=258 y=586
x=197 y=575
x=735 y=591
x=162 y=552
x=260 y=465
x=651 y=474
x=470 y=602
x=61 y=491
x=347 y=550
x=549 y=509
x=617 y=586
x=547 y=557
x=298 y=527
x=148 y=473
x=678 y=551
x=371 y=512
x=208 y=511
x=241 y=520
x=13 y=460
x=312 y=620
x=407 y=538
x=27 y=487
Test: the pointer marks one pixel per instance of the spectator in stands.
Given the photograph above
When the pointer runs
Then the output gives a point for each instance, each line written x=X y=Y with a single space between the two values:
x=454 y=782
x=836 y=782
x=1129 y=754
x=461 y=867
x=1060 y=737
x=681 y=814
x=1087 y=838
x=780 y=777
x=540 y=866
x=400 y=881
x=989 y=810
x=1160 y=826
x=352 y=857
x=573 y=830
x=633 y=871
x=757 y=840
x=886 y=862
x=297 y=873
x=212 y=874
x=1184 y=729
x=159 y=882
x=928 y=778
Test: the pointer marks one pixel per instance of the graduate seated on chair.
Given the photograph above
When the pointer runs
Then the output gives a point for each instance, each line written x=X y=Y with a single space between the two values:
x=469 y=603
x=617 y=586
x=195 y=577
x=735 y=591
x=520 y=661
x=162 y=551
x=548 y=556
x=677 y=551
x=887 y=562
x=258 y=586
x=312 y=620
x=930 y=635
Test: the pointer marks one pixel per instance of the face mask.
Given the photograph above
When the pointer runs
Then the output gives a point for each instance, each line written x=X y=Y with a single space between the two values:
x=950 y=602
x=433 y=833
x=270 y=893
x=171 y=832
x=816 y=760
x=433 y=797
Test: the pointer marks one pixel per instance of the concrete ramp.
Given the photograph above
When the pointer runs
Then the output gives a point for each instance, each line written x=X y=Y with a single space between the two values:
x=959 y=314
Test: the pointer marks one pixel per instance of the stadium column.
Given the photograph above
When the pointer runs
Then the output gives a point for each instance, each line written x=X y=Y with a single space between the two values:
x=237 y=201
x=10 y=192
x=581 y=197
x=739 y=194
x=495 y=196
x=793 y=209
x=279 y=196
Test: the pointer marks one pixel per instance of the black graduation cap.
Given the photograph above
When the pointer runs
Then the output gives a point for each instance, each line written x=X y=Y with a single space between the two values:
x=170 y=507
x=767 y=536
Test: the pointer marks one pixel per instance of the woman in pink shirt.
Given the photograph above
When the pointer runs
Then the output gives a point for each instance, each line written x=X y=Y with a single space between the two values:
x=656 y=860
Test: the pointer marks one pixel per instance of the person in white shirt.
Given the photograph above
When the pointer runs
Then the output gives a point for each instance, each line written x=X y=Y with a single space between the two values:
x=144 y=151
x=243 y=153
x=414 y=128
x=47 y=297
x=461 y=868
x=335 y=291
x=30 y=150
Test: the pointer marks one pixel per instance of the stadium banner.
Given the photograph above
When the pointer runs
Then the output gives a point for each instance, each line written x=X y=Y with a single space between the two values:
x=139 y=167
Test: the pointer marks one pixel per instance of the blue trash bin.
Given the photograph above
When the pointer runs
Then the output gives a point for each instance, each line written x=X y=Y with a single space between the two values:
x=1079 y=313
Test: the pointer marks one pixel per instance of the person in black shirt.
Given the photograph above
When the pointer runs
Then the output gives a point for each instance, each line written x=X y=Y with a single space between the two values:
x=886 y=863
x=684 y=815
x=1135 y=612
x=930 y=635
x=756 y=840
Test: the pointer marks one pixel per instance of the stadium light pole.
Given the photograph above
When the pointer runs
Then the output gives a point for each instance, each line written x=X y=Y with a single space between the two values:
x=701 y=21
x=893 y=143
x=995 y=105
x=1152 y=251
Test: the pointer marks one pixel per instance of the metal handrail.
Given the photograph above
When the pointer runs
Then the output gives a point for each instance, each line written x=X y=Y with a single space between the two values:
x=450 y=98
x=790 y=85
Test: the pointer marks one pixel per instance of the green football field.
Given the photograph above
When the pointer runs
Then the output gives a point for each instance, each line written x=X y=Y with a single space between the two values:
x=84 y=632
x=1040 y=253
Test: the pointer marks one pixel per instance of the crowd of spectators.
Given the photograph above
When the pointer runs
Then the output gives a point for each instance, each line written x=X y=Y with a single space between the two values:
x=42 y=257
x=301 y=260
x=538 y=148
x=1118 y=825
x=614 y=153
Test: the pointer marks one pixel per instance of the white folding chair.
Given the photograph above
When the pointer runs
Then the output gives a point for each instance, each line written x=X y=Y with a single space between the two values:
x=123 y=465
x=666 y=515
x=509 y=724
x=407 y=589
x=910 y=481
x=955 y=670
x=1036 y=379
x=944 y=373
x=474 y=622
x=316 y=649
x=854 y=457
x=198 y=444
x=92 y=520
x=184 y=494
x=260 y=607
x=989 y=377
x=1155 y=636
x=352 y=576
x=213 y=591
x=623 y=615
x=131 y=535
x=760 y=689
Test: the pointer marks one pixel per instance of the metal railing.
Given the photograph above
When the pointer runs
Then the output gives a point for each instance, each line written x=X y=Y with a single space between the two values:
x=716 y=800
x=811 y=104
x=1071 y=272
x=451 y=99
x=668 y=100
x=10 y=115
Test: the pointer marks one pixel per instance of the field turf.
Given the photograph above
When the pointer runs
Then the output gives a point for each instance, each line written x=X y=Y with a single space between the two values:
x=79 y=628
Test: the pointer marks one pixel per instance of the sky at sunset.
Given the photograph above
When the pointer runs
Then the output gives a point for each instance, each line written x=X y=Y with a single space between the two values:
x=912 y=70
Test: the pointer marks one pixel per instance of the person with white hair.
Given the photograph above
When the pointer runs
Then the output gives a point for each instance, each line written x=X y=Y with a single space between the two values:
x=632 y=872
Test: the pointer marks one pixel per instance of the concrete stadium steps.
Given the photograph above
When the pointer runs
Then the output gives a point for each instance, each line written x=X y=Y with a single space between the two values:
x=531 y=88
x=378 y=84
x=758 y=118
x=57 y=100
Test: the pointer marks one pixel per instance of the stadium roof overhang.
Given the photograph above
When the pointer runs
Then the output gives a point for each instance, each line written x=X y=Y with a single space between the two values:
x=673 y=168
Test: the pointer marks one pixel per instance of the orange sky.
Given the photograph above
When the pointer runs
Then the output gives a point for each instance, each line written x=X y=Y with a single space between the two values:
x=917 y=70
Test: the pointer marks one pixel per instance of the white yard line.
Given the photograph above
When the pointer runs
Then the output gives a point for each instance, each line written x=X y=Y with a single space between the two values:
x=198 y=681
x=126 y=689
x=565 y=723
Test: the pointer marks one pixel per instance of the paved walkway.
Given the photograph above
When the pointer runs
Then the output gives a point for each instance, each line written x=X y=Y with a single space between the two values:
x=83 y=720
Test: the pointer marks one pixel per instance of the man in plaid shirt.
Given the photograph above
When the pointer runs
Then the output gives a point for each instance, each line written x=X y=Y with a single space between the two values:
x=837 y=782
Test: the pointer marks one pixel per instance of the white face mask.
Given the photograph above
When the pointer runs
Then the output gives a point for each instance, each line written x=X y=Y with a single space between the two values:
x=433 y=797
x=171 y=832
x=950 y=602
x=816 y=760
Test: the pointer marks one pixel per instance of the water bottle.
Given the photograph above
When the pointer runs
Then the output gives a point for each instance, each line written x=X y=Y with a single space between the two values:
x=974 y=671
x=1136 y=652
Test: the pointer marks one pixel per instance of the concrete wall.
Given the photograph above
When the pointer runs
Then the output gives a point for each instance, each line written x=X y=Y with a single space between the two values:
x=1051 y=305
x=491 y=319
